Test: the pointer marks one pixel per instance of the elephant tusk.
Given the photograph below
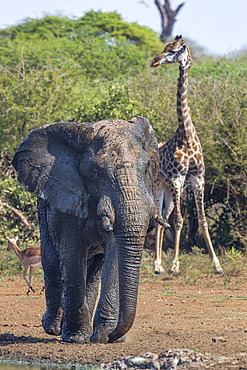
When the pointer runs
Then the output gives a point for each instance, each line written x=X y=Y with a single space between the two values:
x=159 y=220
x=156 y=217
x=106 y=212
x=107 y=225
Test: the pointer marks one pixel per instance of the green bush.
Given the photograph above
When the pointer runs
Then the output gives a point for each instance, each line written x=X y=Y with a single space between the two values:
x=12 y=195
x=101 y=44
x=30 y=98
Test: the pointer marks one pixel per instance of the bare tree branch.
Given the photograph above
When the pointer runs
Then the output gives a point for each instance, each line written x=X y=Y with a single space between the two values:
x=168 y=17
x=17 y=213
x=143 y=2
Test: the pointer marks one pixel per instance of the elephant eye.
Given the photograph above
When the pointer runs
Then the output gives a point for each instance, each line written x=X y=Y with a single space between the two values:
x=95 y=173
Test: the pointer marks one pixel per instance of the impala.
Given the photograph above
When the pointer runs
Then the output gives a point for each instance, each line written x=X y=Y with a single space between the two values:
x=29 y=257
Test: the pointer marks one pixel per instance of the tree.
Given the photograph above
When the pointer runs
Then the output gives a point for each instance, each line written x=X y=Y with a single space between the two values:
x=168 y=17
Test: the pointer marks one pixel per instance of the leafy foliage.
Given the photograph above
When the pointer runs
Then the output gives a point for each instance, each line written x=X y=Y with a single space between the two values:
x=118 y=103
x=32 y=97
x=11 y=194
x=102 y=44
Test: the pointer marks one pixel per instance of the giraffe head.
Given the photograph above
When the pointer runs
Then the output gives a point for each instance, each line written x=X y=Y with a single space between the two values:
x=176 y=51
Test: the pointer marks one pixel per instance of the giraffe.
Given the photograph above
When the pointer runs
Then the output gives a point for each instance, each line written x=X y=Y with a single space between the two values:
x=181 y=161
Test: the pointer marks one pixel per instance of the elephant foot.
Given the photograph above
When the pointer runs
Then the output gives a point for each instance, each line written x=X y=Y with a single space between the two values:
x=77 y=338
x=82 y=336
x=76 y=326
x=101 y=335
x=52 y=322
x=104 y=338
x=99 y=338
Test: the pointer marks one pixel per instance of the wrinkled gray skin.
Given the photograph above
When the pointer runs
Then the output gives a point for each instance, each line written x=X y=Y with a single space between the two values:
x=94 y=188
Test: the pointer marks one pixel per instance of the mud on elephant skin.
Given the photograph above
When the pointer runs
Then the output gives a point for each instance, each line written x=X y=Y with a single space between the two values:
x=94 y=188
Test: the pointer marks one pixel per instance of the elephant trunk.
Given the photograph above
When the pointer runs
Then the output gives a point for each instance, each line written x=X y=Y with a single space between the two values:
x=130 y=228
x=129 y=260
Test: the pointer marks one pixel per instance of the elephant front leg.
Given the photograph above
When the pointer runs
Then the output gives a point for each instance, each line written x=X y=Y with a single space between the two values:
x=106 y=316
x=94 y=271
x=76 y=323
x=51 y=320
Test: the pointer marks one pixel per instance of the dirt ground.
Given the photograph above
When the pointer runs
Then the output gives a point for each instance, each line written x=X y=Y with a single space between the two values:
x=207 y=317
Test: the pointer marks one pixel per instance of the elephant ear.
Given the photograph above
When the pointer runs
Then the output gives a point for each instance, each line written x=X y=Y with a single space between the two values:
x=47 y=165
x=145 y=135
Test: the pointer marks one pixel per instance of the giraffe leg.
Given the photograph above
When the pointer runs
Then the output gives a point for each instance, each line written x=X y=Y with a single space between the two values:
x=198 y=188
x=175 y=262
x=161 y=244
x=158 y=191
x=159 y=231
x=214 y=259
x=168 y=208
x=176 y=194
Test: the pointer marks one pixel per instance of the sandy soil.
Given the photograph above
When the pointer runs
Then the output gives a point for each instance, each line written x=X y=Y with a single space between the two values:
x=209 y=317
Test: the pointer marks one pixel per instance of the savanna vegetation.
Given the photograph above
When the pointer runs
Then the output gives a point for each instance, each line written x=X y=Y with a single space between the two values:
x=98 y=66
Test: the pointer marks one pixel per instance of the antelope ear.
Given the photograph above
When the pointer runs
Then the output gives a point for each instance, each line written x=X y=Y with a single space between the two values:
x=47 y=164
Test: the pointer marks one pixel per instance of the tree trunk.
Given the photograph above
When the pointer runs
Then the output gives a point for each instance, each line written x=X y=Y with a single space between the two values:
x=168 y=18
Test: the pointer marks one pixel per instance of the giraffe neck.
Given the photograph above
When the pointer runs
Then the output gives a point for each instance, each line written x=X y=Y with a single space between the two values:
x=185 y=126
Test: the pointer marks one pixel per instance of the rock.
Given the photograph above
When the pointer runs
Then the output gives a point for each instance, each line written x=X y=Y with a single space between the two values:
x=176 y=359
x=137 y=361
x=172 y=365
x=147 y=361
x=218 y=339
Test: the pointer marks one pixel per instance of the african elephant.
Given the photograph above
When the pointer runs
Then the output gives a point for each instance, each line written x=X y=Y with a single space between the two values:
x=94 y=188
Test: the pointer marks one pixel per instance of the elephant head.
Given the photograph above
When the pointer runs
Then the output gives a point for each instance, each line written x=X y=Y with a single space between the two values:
x=104 y=168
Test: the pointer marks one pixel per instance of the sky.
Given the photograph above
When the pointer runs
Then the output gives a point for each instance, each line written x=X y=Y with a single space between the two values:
x=220 y=26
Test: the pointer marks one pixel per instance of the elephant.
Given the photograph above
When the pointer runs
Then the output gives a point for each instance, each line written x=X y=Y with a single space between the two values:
x=93 y=184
